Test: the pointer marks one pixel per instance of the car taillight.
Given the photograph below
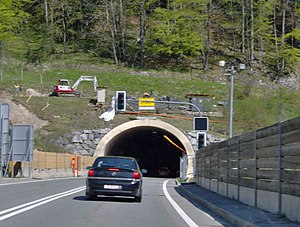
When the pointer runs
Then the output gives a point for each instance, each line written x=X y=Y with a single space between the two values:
x=136 y=175
x=91 y=173
x=113 y=169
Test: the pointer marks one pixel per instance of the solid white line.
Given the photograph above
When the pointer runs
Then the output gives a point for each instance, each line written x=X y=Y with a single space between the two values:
x=36 y=203
x=184 y=216
x=36 y=181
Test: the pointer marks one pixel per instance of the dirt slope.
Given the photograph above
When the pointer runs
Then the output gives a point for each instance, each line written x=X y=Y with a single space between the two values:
x=19 y=114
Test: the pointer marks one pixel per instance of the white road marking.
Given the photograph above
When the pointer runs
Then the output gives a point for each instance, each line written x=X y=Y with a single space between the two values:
x=184 y=216
x=37 y=181
x=28 y=206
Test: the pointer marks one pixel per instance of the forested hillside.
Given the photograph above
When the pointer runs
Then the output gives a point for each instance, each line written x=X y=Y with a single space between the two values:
x=263 y=34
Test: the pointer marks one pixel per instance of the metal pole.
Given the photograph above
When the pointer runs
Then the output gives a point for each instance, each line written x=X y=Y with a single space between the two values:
x=231 y=100
x=280 y=161
x=1 y=144
x=178 y=103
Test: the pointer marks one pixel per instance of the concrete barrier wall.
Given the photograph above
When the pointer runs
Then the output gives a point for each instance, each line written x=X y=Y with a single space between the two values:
x=259 y=168
x=56 y=160
x=54 y=165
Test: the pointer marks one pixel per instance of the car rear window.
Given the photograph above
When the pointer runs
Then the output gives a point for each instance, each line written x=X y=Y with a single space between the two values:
x=115 y=162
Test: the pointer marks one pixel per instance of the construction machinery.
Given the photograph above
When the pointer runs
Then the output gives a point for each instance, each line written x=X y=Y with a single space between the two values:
x=64 y=89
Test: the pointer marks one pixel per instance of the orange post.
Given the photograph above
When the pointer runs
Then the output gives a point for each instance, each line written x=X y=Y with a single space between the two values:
x=75 y=165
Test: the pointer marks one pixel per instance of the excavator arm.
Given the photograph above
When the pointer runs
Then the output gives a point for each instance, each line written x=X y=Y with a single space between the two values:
x=86 y=78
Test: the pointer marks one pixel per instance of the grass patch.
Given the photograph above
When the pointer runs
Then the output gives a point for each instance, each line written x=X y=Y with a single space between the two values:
x=254 y=107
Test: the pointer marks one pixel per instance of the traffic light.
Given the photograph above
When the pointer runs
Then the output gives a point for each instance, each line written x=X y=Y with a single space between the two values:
x=121 y=100
x=201 y=139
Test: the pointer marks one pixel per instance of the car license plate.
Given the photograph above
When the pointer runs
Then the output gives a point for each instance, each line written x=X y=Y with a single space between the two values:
x=112 y=187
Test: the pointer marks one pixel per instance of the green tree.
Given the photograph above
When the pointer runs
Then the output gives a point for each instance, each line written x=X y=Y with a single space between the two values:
x=12 y=14
x=262 y=33
x=178 y=32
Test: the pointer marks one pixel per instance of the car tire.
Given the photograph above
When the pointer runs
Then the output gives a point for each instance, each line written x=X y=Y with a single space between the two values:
x=138 y=198
x=89 y=196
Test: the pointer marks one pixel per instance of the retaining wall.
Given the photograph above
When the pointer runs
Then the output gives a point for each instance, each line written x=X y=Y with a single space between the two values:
x=54 y=164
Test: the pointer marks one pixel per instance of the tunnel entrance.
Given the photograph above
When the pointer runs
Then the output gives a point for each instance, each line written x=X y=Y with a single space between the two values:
x=155 y=150
x=156 y=145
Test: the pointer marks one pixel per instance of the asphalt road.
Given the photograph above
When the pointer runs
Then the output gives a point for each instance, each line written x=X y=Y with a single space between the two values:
x=61 y=202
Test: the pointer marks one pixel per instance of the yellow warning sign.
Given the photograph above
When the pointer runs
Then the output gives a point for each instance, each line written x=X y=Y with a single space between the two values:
x=146 y=104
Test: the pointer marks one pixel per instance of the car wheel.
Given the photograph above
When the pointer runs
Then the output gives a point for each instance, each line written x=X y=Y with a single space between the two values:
x=89 y=196
x=138 y=198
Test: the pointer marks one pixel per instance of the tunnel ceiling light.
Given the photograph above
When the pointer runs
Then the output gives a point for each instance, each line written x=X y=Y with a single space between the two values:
x=167 y=138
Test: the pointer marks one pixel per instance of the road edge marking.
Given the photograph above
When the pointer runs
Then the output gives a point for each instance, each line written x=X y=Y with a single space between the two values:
x=37 y=180
x=183 y=215
x=31 y=205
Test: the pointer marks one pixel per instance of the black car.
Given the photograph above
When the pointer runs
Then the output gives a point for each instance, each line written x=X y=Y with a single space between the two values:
x=114 y=176
x=163 y=172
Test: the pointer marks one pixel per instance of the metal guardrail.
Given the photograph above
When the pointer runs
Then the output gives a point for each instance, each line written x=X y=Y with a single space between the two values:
x=174 y=103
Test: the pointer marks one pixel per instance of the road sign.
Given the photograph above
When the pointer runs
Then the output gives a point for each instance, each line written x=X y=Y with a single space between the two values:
x=22 y=143
x=201 y=124
x=146 y=104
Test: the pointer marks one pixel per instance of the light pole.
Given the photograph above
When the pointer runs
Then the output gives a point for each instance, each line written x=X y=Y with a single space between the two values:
x=231 y=100
x=241 y=67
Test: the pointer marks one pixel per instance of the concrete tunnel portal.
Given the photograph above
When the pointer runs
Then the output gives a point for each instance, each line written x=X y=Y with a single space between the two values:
x=153 y=143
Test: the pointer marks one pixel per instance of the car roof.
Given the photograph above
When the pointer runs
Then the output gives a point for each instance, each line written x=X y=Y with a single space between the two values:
x=115 y=156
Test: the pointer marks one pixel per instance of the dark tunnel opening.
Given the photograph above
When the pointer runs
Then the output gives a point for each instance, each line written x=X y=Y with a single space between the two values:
x=156 y=150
